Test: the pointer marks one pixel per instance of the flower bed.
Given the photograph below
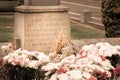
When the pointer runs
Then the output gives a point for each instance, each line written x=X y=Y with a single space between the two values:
x=92 y=62
x=22 y=64
x=100 y=61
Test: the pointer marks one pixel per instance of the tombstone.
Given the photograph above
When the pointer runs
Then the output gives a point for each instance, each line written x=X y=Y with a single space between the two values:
x=38 y=27
x=86 y=16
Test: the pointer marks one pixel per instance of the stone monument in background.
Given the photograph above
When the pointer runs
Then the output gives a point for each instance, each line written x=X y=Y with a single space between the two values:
x=38 y=24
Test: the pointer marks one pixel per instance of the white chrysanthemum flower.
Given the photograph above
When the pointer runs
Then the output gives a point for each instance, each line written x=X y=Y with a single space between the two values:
x=97 y=60
x=86 y=75
x=63 y=77
x=106 y=65
x=75 y=75
x=67 y=61
x=94 y=50
x=40 y=56
x=90 y=56
x=117 y=47
x=99 y=68
x=5 y=59
x=86 y=47
x=71 y=57
x=73 y=66
x=25 y=62
x=33 y=64
x=50 y=66
x=108 y=53
x=44 y=59
x=99 y=44
x=11 y=59
x=82 y=61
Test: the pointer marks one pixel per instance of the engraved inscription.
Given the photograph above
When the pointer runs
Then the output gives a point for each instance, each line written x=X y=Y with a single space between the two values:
x=42 y=30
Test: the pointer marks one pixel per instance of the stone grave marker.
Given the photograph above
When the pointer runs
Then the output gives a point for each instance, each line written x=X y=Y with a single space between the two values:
x=39 y=26
x=86 y=16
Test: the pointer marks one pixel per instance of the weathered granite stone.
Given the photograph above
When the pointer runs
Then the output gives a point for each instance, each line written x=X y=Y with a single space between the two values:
x=38 y=27
x=86 y=16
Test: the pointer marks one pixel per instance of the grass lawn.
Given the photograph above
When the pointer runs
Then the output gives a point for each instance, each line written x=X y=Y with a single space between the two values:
x=6 y=28
x=77 y=31
x=6 y=21
x=82 y=32
x=6 y=34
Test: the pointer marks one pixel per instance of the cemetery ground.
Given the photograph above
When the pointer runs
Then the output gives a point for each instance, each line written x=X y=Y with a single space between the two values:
x=78 y=31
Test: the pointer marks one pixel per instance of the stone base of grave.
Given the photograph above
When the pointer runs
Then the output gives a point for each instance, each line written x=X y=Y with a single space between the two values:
x=38 y=27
